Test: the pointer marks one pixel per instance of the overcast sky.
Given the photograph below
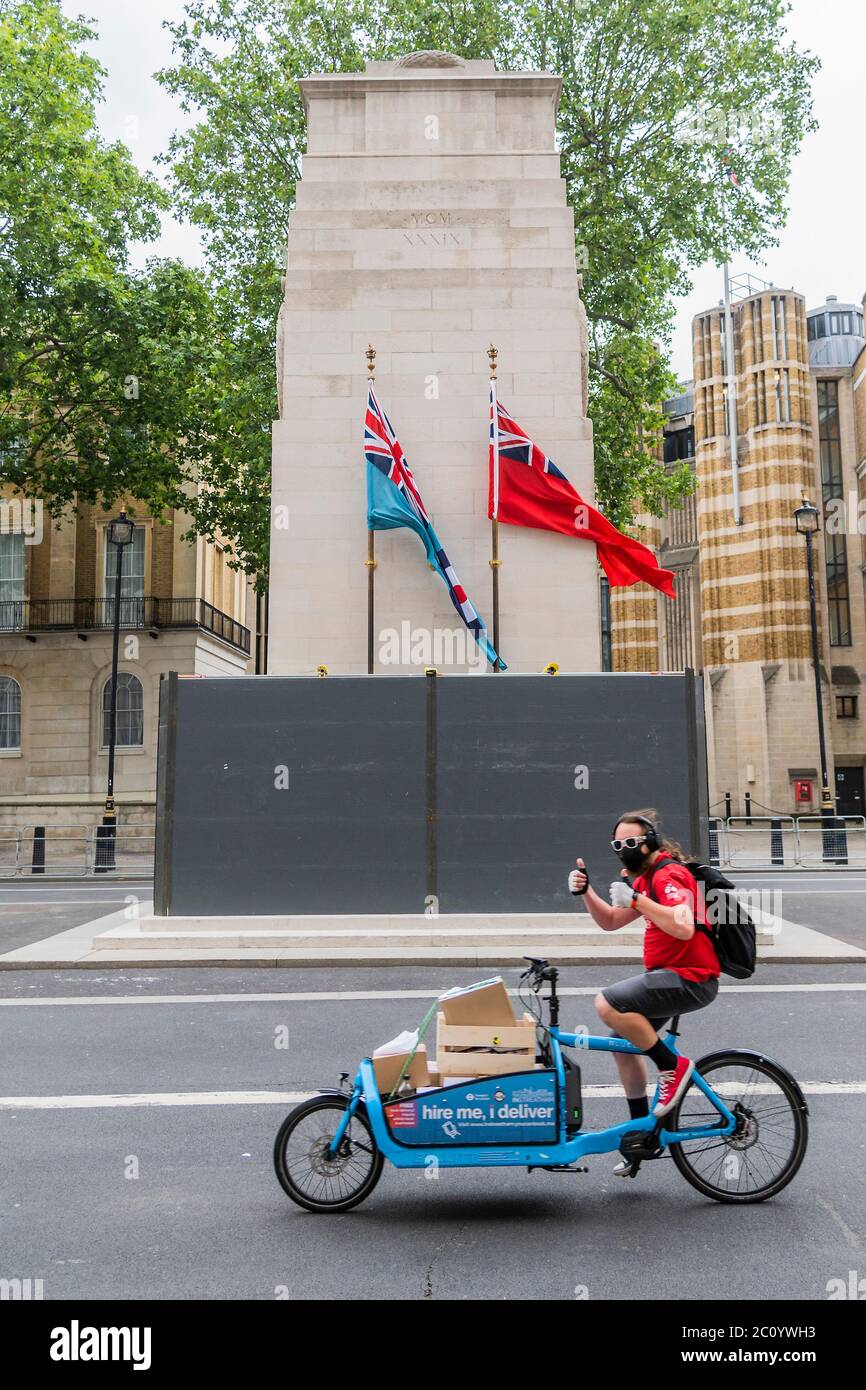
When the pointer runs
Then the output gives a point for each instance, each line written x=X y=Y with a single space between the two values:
x=822 y=250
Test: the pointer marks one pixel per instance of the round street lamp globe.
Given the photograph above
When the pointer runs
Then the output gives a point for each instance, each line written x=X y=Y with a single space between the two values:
x=120 y=530
x=806 y=517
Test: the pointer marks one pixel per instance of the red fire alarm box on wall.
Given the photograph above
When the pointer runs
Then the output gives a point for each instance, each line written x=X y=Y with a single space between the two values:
x=803 y=790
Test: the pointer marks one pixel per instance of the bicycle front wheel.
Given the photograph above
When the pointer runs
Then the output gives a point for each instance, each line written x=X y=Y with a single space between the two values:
x=768 y=1144
x=314 y=1178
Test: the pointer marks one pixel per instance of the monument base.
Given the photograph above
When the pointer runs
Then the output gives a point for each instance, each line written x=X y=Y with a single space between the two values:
x=469 y=942
x=396 y=939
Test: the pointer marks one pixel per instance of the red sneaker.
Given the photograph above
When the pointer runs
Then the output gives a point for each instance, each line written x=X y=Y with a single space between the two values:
x=672 y=1084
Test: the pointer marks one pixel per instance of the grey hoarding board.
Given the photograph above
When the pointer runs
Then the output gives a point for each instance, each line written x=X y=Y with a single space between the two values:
x=347 y=829
x=400 y=794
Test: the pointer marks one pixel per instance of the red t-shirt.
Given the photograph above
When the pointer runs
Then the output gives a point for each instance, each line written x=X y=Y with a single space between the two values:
x=694 y=959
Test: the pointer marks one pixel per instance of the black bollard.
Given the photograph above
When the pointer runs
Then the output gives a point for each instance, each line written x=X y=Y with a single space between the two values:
x=38 y=864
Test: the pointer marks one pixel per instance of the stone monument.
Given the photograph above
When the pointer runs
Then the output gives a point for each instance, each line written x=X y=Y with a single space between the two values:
x=430 y=221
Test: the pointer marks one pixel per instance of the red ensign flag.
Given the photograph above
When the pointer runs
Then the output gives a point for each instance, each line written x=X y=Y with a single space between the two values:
x=527 y=489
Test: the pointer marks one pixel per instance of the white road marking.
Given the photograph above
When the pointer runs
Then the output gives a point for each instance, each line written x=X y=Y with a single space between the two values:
x=347 y=995
x=195 y=1098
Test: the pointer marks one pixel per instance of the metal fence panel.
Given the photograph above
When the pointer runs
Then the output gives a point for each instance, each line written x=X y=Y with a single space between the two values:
x=841 y=844
x=758 y=842
x=788 y=842
x=10 y=843
x=70 y=851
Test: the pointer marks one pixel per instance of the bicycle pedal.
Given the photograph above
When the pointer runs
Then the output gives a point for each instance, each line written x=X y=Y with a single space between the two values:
x=640 y=1147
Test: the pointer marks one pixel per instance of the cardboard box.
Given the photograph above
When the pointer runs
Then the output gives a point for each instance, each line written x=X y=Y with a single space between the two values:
x=388 y=1067
x=485 y=1049
x=485 y=1002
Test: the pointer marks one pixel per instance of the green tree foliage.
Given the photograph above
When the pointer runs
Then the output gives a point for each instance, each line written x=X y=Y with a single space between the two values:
x=113 y=383
x=69 y=204
x=662 y=99
x=122 y=382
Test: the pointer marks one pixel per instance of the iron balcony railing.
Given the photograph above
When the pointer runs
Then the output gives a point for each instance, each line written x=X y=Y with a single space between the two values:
x=64 y=615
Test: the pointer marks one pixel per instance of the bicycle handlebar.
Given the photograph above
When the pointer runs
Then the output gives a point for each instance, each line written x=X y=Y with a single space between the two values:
x=539 y=971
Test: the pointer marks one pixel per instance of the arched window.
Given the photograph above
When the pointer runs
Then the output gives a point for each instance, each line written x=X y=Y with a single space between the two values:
x=130 y=711
x=10 y=713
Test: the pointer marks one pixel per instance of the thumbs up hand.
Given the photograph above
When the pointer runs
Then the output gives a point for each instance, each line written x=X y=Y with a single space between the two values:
x=578 y=880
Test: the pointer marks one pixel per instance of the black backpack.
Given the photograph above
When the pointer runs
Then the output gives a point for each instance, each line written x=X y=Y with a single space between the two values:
x=730 y=929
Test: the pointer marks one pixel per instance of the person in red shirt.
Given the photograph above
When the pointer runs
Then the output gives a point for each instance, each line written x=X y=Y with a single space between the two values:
x=681 y=966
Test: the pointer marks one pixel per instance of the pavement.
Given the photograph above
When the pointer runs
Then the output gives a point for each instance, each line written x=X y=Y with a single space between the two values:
x=138 y=1111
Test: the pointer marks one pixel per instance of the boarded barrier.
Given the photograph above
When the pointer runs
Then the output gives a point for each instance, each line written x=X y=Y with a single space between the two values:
x=372 y=794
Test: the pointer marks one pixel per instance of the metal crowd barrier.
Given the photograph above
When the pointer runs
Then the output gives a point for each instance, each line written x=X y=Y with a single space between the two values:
x=785 y=842
x=737 y=842
x=73 y=851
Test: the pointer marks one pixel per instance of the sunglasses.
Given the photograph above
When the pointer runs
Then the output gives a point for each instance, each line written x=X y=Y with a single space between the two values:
x=630 y=842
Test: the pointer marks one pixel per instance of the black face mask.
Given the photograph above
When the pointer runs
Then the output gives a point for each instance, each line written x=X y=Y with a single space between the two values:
x=633 y=859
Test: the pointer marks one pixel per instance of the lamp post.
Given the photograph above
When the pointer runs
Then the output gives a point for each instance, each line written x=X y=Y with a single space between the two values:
x=119 y=533
x=807 y=520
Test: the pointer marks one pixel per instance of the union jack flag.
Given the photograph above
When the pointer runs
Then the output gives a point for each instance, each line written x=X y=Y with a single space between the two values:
x=383 y=449
x=401 y=505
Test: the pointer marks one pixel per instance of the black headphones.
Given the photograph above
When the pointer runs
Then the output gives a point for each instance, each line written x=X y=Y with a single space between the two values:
x=652 y=840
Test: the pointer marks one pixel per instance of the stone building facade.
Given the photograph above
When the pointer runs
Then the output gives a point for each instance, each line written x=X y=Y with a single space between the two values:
x=743 y=611
x=182 y=609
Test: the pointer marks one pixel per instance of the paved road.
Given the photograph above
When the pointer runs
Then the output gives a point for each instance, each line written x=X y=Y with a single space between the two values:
x=32 y=911
x=205 y=1217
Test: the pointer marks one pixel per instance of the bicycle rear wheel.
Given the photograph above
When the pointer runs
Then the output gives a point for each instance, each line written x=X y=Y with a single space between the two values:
x=310 y=1175
x=769 y=1143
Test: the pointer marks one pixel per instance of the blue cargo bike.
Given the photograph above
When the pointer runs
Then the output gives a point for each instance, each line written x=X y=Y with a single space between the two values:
x=738 y=1134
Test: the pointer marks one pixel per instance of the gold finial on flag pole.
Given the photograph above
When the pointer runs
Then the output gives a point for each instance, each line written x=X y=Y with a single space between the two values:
x=371 y=362
x=492 y=353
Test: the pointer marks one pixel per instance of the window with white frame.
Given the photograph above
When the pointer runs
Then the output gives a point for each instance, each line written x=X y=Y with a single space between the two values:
x=10 y=713
x=131 y=580
x=130 y=711
x=11 y=580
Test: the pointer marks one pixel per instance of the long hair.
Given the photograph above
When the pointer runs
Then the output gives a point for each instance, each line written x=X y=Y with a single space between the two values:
x=649 y=813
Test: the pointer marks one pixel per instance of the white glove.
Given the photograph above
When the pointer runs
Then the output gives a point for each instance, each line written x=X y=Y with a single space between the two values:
x=621 y=894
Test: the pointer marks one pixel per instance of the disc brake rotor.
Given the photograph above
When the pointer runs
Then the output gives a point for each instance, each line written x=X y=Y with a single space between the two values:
x=747 y=1131
x=325 y=1164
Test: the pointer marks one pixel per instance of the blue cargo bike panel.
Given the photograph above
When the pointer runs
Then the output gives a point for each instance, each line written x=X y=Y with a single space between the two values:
x=519 y=1108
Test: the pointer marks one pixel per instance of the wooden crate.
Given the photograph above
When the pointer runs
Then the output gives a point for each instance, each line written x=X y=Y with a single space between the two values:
x=452 y=1037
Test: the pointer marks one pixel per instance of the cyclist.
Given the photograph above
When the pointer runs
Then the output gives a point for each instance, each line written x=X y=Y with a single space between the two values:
x=681 y=966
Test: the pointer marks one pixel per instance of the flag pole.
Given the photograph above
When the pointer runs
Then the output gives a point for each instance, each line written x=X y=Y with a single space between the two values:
x=495 y=561
x=370 y=561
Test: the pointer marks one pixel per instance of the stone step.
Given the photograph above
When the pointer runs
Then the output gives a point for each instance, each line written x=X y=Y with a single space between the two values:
x=177 y=934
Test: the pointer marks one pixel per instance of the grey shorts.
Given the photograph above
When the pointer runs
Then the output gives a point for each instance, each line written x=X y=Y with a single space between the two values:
x=659 y=994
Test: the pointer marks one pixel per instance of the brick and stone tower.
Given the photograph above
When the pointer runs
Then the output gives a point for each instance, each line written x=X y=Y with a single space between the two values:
x=754 y=592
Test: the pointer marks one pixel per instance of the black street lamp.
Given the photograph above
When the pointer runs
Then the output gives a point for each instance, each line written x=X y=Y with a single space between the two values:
x=119 y=533
x=808 y=520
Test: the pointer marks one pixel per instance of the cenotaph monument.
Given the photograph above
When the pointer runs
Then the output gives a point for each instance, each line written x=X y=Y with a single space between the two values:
x=430 y=222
